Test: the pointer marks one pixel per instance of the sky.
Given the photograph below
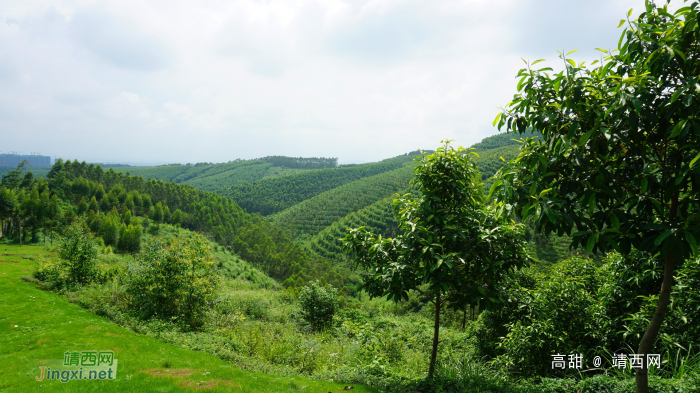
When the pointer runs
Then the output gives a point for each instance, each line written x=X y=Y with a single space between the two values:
x=149 y=82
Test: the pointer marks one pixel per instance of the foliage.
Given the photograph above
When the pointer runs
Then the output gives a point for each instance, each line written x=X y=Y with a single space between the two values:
x=560 y=315
x=576 y=307
x=129 y=238
x=78 y=251
x=450 y=241
x=173 y=281
x=627 y=137
x=318 y=305
x=50 y=274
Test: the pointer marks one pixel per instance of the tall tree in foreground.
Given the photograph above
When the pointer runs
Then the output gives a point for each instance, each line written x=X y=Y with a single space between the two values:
x=453 y=248
x=618 y=164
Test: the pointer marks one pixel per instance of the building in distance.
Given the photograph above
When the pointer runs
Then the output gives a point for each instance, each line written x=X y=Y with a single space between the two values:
x=12 y=160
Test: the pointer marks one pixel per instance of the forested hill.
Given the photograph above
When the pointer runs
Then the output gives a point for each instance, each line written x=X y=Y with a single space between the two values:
x=309 y=217
x=77 y=190
x=212 y=177
x=269 y=196
x=501 y=140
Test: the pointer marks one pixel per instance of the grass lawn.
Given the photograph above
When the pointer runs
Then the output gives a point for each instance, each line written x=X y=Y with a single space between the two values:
x=38 y=326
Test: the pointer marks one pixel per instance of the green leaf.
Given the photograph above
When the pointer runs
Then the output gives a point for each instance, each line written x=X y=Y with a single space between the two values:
x=645 y=184
x=678 y=128
x=545 y=191
x=675 y=96
x=602 y=50
x=622 y=22
x=692 y=163
x=688 y=99
x=585 y=137
x=573 y=63
x=570 y=52
x=691 y=241
x=630 y=12
x=615 y=221
x=591 y=243
x=526 y=211
x=536 y=61
x=661 y=237
x=481 y=290
x=494 y=186
x=498 y=117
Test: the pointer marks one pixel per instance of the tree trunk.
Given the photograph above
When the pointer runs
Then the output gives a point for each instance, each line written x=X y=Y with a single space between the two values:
x=436 y=334
x=647 y=343
x=464 y=318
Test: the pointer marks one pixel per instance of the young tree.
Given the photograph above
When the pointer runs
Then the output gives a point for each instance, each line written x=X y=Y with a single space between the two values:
x=173 y=280
x=110 y=229
x=8 y=208
x=453 y=248
x=78 y=251
x=617 y=167
x=318 y=305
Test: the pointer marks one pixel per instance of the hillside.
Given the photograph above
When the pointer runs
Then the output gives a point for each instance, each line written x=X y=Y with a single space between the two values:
x=38 y=327
x=212 y=177
x=113 y=204
x=309 y=217
x=269 y=196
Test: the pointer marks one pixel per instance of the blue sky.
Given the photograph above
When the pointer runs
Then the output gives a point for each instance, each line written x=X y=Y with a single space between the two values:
x=194 y=81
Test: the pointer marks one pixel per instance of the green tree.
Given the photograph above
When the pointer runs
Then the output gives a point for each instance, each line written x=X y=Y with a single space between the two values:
x=176 y=218
x=78 y=252
x=110 y=229
x=617 y=167
x=126 y=217
x=130 y=238
x=318 y=305
x=173 y=280
x=8 y=208
x=453 y=248
x=156 y=214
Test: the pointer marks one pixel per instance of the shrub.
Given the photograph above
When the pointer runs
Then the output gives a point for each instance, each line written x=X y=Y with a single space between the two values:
x=561 y=315
x=318 y=305
x=50 y=274
x=173 y=281
x=78 y=251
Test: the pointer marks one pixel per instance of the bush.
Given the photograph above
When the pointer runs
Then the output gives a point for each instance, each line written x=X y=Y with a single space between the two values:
x=561 y=315
x=50 y=274
x=173 y=281
x=318 y=305
x=78 y=251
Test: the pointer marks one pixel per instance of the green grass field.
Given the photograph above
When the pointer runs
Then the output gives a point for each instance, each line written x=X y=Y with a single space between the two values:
x=37 y=326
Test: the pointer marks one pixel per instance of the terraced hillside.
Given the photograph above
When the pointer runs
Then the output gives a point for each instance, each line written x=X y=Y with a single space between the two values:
x=377 y=218
x=269 y=196
x=212 y=177
x=308 y=218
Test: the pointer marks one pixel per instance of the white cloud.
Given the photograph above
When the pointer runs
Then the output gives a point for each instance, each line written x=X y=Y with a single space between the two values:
x=216 y=80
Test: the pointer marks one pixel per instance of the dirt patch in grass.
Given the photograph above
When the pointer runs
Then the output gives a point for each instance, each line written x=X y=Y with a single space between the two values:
x=202 y=385
x=43 y=340
x=113 y=334
x=170 y=372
